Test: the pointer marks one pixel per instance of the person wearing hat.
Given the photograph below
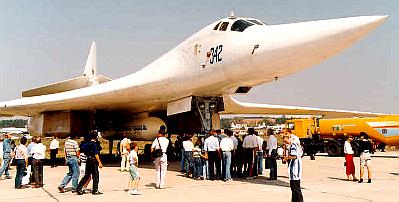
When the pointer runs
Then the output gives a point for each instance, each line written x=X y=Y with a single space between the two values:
x=161 y=161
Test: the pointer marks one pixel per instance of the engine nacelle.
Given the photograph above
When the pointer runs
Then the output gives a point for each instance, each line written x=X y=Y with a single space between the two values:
x=60 y=123
x=138 y=129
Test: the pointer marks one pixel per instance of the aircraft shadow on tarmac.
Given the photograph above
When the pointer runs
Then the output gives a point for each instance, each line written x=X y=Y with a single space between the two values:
x=264 y=180
x=174 y=166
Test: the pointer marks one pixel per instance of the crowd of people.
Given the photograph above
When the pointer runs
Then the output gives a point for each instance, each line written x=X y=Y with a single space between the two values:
x=82 y=160
x=225 y=156
x=217 y=156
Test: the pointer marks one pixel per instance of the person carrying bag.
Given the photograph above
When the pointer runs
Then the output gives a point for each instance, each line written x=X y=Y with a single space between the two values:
x=158 y=151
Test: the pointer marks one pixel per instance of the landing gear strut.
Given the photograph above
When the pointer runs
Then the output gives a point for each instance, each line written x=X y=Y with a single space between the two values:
x=208 y=109
x=110 y=146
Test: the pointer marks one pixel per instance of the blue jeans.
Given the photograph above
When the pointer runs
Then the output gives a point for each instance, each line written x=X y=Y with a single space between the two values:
x=226 y=164
x=205 y=171
x=273 y=165
x=259 y=161
x=182 y=161
x=188 y=162
x=21 y=165
x=4 y=168
x=197 y=167
x=73 y=174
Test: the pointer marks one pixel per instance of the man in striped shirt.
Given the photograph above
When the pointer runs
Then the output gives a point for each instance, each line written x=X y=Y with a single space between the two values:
x=295 y=166
x=71 y=158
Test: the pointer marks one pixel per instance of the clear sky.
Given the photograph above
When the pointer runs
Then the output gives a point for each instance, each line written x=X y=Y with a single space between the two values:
x=47 y=41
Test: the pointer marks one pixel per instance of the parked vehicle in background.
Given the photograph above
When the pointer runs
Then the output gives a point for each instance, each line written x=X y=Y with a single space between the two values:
x=327 y=135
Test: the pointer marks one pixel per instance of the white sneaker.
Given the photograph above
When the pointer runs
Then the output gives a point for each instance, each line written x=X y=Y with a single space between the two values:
x=136 y=192
x=131 y=192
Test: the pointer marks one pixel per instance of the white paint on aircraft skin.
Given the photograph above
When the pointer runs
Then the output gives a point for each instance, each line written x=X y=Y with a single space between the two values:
x=281 y=50
x=91 y=62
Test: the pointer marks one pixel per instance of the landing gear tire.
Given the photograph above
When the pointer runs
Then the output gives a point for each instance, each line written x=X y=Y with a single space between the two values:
x=355 y=148
x=334 y=148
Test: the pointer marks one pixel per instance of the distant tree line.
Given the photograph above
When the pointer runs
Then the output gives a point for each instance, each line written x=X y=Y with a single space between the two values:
x=17 y=123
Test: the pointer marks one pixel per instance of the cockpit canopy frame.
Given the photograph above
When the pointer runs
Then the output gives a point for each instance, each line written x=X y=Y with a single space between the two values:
x=237 y=24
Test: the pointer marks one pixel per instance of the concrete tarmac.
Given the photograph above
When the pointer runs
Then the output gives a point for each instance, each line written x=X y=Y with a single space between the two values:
x=323 y=180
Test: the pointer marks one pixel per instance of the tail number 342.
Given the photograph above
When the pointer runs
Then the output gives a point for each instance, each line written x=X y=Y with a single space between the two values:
x=216 y=54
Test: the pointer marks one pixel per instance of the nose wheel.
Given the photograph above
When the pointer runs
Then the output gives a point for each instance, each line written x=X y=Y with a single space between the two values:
x=208 y=108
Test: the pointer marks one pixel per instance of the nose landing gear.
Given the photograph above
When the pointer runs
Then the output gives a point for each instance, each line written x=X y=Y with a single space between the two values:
x=208 y=108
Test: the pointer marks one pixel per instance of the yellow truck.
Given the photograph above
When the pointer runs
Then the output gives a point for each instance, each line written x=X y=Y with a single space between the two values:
x=327 y=135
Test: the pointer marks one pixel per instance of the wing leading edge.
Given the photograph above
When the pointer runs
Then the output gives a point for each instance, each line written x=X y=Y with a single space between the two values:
x=233 y=106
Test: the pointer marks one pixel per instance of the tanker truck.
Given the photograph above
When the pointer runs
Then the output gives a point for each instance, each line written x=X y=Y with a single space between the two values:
x=328 y=135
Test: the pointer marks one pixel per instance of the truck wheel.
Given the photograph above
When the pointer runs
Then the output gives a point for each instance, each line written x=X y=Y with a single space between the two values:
x=334 y=148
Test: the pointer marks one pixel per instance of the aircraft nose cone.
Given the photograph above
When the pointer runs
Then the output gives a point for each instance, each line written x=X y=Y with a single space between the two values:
x=299 y=45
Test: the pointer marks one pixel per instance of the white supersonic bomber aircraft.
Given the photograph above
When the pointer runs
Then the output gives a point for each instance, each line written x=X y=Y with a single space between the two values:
x=187 y=88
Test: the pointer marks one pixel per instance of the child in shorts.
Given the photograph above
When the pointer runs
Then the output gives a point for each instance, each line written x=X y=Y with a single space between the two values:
x=134 y=174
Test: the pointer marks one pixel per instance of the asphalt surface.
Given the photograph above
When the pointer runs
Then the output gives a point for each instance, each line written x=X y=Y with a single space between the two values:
x=323 y=180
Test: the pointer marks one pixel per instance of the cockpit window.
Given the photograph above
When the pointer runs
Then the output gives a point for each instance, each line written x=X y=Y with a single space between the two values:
x=240 y=25
x=255 y=21
x=217 y=25
x=223 y=27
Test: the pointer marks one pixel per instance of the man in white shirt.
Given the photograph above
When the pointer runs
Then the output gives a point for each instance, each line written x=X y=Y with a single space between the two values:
x=272 y=154
x=38 y=153
x=212 y=148
x=188 y=147
x=54 y=146
x=227 y=146
x=161 y=163
x=259 y=155
x=250 y=145
x=124 y=149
